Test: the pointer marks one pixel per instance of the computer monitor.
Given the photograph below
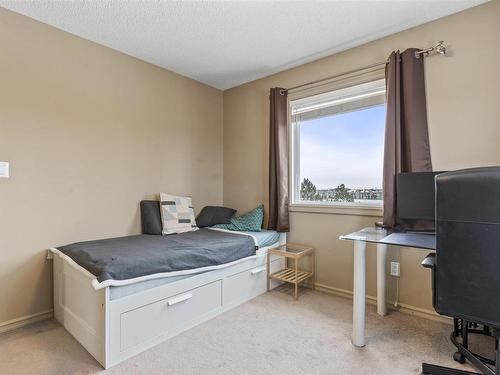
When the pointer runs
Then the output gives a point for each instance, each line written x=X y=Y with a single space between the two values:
x=415 y=194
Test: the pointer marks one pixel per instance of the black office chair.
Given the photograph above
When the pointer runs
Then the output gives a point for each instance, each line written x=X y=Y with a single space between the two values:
x=466 y=266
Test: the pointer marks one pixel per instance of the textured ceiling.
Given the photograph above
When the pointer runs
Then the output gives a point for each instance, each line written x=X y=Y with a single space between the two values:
x=227 y=43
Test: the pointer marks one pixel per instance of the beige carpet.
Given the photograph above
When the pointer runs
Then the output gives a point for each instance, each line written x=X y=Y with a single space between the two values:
x=272 y=334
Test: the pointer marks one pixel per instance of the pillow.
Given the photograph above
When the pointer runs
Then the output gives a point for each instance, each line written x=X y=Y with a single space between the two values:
x=150 y=217
x=250 y=222
x=211 y=215
x=177 y=215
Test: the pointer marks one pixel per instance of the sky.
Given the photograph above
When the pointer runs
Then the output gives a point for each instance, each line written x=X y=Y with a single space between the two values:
x=344 y=149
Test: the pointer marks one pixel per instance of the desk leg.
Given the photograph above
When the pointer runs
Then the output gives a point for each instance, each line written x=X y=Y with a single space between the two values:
x=381 y=279
x=358 y=311
x=268 y=272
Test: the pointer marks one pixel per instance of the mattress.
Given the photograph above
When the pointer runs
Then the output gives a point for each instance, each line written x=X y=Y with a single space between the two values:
x=265 y=237
x=116 y=292
x=125 y=260
x=217 y=250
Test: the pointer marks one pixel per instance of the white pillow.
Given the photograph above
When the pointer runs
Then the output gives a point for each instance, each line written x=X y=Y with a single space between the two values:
x=177 y=215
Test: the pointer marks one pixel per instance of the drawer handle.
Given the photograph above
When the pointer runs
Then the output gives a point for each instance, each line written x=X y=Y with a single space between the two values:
x=179 y=299
x=258 y=270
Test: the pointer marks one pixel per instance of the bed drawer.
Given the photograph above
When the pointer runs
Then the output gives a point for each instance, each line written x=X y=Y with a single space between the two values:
x=170 y=315
x=247 y=284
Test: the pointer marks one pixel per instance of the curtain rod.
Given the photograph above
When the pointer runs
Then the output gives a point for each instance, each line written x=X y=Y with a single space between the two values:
x=439 y=48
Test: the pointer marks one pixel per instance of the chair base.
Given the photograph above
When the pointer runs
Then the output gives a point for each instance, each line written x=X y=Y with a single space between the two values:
x=485 y=365
x=428 y=369
x=462 y=330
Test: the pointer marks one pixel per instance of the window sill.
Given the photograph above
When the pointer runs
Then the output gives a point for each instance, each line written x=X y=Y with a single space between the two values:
x=340 y=209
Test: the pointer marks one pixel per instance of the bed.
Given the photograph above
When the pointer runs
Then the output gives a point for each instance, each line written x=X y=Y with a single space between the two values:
x=116 y=308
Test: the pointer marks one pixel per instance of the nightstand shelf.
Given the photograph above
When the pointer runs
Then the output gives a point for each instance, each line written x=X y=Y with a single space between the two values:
x=288 y=275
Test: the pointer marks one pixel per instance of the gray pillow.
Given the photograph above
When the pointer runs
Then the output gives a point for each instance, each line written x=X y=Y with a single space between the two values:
x=151 y=217
x=212 y=215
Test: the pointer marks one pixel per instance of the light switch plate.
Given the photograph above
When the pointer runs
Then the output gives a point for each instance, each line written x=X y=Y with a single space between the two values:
x=4 y=169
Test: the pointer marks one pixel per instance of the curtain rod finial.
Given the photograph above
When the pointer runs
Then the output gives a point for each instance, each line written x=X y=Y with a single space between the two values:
x=439 y=48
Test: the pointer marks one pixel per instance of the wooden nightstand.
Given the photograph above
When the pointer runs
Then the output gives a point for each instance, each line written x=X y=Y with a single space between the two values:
x=291 y=275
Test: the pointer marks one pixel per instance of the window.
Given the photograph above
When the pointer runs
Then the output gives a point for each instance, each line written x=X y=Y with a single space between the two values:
x=337 y=145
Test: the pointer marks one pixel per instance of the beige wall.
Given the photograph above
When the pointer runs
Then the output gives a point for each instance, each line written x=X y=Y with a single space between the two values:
x=89 y=132
x=463 y=91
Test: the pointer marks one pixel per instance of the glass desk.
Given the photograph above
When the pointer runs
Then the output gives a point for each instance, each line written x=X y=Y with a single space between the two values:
x=382 y=238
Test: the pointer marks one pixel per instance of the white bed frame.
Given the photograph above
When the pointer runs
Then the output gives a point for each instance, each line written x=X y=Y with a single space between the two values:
x=113 y=330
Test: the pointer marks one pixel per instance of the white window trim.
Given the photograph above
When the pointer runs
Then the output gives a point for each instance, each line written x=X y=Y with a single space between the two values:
x=337 y=209
x=342 y=208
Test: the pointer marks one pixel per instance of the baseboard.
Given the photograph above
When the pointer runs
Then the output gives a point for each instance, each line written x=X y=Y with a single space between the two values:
x=402 y=307
x=13 y=324
x=423 y=313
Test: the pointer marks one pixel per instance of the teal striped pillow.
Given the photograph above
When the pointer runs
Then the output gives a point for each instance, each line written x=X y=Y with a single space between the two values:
x=249 y=222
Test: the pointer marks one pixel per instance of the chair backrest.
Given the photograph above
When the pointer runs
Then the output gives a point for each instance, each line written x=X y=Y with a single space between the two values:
x=468 y=245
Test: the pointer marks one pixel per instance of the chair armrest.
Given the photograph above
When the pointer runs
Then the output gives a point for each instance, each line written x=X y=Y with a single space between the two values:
x=429 y=261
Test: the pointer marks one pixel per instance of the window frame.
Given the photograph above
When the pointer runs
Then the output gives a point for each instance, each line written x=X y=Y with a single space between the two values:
x=295 y=204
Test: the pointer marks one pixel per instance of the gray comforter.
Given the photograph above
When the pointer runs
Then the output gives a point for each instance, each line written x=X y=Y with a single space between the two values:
x=135 y=256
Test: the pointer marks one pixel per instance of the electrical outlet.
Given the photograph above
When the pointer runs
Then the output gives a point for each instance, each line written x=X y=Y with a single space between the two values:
x=4 y=169
x=395 y=269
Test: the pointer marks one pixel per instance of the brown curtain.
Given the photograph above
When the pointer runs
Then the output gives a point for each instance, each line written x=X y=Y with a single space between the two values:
x=406 y=135
x=278 y=162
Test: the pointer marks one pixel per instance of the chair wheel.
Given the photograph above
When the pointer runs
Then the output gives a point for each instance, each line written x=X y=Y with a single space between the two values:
x=459 y=357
